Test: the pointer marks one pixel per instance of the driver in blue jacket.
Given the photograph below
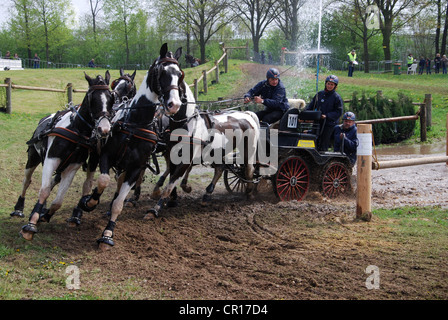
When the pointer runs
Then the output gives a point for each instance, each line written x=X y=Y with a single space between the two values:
x=346 y=136
x=272 y=94
x=330 y=103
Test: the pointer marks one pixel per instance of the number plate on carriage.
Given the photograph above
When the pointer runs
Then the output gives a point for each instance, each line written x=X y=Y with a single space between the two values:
x=306 y=144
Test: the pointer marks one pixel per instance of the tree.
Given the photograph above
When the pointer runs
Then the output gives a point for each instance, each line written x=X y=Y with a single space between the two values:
x=288 y=20
x=256 y=15
x=95 y=7
x=353 y=17
x=390 y=11
x=23 y=22
x=52 y=16
x=206 y=18
x=120 y=13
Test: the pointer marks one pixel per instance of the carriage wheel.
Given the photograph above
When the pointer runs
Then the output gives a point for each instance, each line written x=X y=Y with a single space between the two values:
x=335 y=180
x=233 y=182
x=292 y=179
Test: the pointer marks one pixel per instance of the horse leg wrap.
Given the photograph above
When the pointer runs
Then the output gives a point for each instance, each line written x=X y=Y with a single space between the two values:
x=37 y=208
x=45 y=217
x=94 y=196
x=18 y=208
x=76 y=216
x=108 y=239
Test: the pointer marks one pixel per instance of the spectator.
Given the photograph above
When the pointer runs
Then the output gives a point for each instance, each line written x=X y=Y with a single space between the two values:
x=263 y=57
x=410 y=60
x=8 y=55
x=16 y=56
x=346 y=136
x=437 y=61
x=330 y=103
x=92 y=63
x=270 y=57
x=36 y=61
x=421 y=65
x=351 y=62
x=428 y=65
x=272 y=94
x=444 y=63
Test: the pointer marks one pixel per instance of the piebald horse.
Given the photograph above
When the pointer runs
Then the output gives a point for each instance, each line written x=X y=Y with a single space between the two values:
x=64 y=148
x=212 y=134
x=134 y=135
x=123 y=91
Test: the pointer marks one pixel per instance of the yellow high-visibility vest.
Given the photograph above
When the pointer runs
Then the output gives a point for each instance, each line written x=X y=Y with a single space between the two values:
x=352 y=57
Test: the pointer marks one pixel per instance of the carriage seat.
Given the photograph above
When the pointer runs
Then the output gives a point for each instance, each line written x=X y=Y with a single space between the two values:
x=297 y=104
x=297 y=125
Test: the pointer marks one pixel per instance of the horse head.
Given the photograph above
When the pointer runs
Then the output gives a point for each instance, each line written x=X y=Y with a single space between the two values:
x=124 y=87
x=166 y=79
x=98 y=104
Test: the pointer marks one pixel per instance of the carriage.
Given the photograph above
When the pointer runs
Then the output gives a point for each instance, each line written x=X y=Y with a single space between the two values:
x=300 y=167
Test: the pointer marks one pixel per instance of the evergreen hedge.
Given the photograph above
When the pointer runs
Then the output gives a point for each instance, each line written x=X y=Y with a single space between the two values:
x=377 y=107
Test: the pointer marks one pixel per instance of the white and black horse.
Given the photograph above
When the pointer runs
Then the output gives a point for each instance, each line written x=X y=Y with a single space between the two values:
x=202 y=133
x=64 y=148
x=134 y=135
x=123 y=91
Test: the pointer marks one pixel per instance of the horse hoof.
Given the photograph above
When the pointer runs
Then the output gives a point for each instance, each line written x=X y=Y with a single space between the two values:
x=73 y=222
x=28 y=231
x=104 y=246
x=151 y=214
x=18 y=214
x=186 y=189
x=105 y=243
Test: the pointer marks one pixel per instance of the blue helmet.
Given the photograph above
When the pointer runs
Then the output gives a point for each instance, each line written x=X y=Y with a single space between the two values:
x=349 y=116
x=332 y=78
x=273 y=73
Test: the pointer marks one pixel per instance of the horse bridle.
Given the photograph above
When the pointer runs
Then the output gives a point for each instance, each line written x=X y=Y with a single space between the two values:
x=182 y=77
x=129 y=87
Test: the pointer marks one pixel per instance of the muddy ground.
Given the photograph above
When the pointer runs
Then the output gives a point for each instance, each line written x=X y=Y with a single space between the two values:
x=261 y=249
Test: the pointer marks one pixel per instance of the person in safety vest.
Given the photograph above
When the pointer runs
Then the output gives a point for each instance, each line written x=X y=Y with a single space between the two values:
x=351 y=62
x=346 y=136
x=330 y=103
x=272 y=94
x=410 y=60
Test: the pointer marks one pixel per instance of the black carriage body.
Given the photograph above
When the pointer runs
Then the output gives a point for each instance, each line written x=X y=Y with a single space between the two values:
x=300 y=166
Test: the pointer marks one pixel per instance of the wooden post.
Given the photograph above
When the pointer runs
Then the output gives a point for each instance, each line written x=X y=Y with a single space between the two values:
x=69 y=93
x=196 y=89
x=247 y=51
x=204 y=80
x=282 y=58
x=226 y=62
x=217 y=72
x=364 y=173
x=428 y=107
x=423 y=123
x=8 y=95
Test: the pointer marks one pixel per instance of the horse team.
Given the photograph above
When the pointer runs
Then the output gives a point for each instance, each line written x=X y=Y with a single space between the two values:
x=121 y=129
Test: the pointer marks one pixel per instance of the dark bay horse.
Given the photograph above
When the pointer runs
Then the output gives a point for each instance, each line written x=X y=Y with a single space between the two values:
x=65 y=146
x=134 y=135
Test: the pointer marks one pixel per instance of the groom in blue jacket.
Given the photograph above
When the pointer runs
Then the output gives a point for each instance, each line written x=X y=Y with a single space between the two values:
x=272 y=94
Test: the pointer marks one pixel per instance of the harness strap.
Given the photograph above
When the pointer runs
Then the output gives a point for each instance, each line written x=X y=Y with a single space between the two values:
x=71 y=136
x=143 y=134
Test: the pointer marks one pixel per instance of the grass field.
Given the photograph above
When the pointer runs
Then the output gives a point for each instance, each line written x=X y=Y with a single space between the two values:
x=37 y=271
